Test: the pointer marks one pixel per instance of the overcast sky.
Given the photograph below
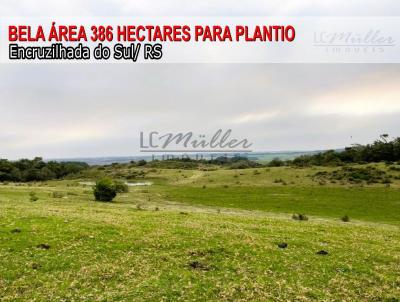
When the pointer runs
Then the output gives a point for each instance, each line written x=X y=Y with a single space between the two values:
x=80 y=110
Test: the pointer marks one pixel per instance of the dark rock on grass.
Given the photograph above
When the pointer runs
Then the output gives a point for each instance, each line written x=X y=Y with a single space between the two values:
x=282 y=245
x=15 y=231
x=322 y=252
x=43 y=246
x=36 y=266
x=198 y=266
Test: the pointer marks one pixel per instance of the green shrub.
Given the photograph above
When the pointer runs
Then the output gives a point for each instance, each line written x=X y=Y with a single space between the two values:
x=243 y=164
x=345 y=218
x=141 y=162
x=33 y=197
x=105 y=190
x=301 y=217
x=276 y=162
x=121 y=186
x=136 y=174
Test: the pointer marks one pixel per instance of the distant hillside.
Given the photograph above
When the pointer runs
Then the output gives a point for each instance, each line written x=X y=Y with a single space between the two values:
x=282 y=155
x=256 y=156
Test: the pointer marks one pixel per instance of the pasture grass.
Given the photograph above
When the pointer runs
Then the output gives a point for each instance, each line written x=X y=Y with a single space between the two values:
x=180 y=241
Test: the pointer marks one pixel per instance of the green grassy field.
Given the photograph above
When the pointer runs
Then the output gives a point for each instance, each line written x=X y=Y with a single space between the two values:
x=201 y=236
x=379 y=205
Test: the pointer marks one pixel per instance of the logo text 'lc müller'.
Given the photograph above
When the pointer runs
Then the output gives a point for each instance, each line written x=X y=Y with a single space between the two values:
x=220 y=141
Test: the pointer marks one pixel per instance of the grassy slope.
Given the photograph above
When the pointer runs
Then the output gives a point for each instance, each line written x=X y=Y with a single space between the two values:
x=257 y=189
x=372 y=204
x=115 y=252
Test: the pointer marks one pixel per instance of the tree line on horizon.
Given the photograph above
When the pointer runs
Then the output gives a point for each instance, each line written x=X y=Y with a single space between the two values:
x=25 y=170
x=383 y=149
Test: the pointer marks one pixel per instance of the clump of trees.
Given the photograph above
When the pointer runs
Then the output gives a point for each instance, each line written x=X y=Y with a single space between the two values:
x=276 y=162
x=187 y=163
x=235 y=162
x=26 y=170
x=383 y=149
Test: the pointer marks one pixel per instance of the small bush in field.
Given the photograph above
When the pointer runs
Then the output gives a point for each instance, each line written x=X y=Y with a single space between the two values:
x=33 y=197
x=301 y=217
x=121 y=187
x=105 y=190
x=345 y=218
